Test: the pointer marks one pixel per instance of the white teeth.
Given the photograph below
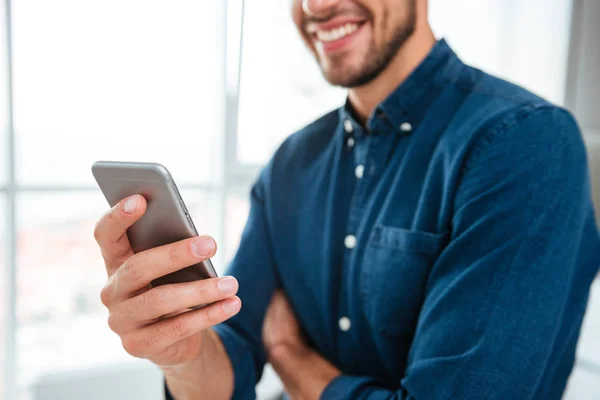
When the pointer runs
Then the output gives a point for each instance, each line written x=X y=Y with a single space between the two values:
x=337 y=33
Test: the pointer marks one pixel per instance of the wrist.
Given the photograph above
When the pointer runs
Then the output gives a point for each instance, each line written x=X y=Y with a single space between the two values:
x=192 y=365
x=209 y=374
x=304 y=372
x=179 y=378
x=288 y=341
x=182 y=379
x=287 y=349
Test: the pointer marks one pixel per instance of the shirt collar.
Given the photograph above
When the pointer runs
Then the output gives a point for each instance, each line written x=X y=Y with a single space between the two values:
x=406 y=107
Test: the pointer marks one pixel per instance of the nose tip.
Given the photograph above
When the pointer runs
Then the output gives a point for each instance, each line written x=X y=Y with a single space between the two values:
x=318 y=7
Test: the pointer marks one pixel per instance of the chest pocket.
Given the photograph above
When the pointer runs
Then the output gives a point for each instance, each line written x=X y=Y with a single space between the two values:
x=395 y=267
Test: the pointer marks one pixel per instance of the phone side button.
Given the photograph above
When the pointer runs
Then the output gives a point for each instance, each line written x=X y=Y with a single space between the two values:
x=184 y=208
x=189 y=218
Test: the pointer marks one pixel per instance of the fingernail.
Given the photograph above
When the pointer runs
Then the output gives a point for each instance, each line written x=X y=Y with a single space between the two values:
x=227 y=284
x=231 y=306
x=203 y=246
x=131 y=205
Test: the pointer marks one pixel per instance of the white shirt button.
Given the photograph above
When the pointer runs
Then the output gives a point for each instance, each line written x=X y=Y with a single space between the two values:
x=351 y=142
x=350 y=241
x=406 y=127
x=359 y=171
x=344 y=323
x=348 y=126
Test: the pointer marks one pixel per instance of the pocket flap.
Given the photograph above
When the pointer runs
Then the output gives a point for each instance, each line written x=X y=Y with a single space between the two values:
x=408 y=240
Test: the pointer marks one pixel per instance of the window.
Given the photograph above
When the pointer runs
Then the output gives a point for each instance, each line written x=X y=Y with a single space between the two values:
x=525 y=42
x=112 y=80
x=116 y=80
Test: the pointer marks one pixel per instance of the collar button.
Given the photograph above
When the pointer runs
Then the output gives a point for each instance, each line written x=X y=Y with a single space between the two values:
x=405 y=127
x=348 y=126
x=350 y=142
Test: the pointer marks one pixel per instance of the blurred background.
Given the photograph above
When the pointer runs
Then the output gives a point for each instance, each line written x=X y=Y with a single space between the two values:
x=209 y=88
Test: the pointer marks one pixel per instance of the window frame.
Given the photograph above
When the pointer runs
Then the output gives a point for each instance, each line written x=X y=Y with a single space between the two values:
x=9 y=191
x=237 y=174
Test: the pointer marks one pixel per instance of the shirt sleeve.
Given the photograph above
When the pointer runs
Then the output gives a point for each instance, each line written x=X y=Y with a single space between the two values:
x=513 y=278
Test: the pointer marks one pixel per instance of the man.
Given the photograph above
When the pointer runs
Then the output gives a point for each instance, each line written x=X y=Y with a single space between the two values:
x=432 y=239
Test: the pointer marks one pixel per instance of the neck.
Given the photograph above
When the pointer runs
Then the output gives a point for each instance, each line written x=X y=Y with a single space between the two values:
x=365 y=98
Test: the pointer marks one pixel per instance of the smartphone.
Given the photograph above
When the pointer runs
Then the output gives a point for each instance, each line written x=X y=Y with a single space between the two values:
x=166 y=220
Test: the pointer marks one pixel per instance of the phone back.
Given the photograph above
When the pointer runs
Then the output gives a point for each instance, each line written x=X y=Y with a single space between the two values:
x=166 y=219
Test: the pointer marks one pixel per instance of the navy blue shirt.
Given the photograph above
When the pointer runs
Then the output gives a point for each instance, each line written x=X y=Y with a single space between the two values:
x=445 y=250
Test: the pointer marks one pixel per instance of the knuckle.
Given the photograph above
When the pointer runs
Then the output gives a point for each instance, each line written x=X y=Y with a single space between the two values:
x=153 y=341
x=106 y=295
x=214 y=287
x=204 y=291
x=131 y=346
x=132 y=271
x=113 y=323
x=153 y=300
x=180 y=326
x=98 y=230
x=135 y=304
x=121 y=260
x=107 y=220
x=207 y=291
x=208 y=318
x=175 y=254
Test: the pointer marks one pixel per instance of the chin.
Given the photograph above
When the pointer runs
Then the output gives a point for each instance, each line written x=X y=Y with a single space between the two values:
x=345 y=76
x=344 y=81
x=353 y=68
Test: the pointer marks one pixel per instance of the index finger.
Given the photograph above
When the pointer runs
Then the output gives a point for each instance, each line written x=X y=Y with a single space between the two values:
x=140 y=270
x=111 y=231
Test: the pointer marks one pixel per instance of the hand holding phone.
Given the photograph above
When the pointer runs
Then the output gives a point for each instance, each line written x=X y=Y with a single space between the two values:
x=138 y=308
x=166 y=219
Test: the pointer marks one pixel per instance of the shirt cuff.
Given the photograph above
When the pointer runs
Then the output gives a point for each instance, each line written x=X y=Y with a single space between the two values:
x=345 y=387
x=242 y=361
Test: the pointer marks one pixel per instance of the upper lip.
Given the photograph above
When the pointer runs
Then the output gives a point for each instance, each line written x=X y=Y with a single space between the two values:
x=313 y=27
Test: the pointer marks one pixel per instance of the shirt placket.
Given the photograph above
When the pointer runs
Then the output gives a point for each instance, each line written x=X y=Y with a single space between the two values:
x=369 y=158
x=358 y=143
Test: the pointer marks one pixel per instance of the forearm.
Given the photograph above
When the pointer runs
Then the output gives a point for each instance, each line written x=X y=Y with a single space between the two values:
x=210 y=376
x=304 y=373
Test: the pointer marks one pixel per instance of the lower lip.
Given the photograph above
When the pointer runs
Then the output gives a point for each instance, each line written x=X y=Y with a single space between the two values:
x=338 y=45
